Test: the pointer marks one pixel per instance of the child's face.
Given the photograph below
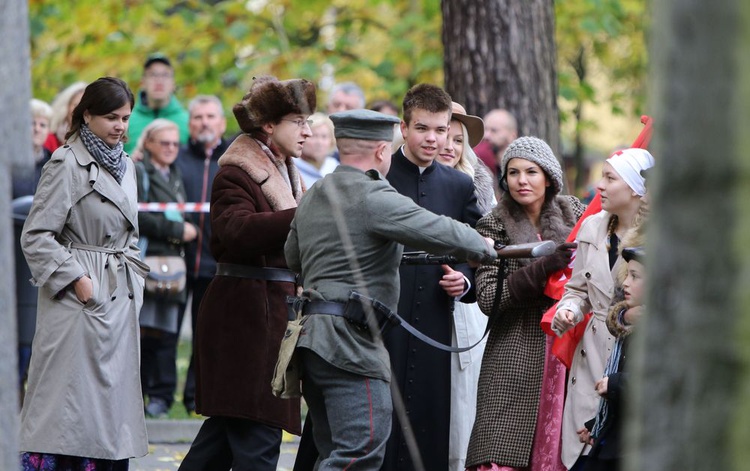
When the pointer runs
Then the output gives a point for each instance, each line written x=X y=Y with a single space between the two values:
x=634 y=285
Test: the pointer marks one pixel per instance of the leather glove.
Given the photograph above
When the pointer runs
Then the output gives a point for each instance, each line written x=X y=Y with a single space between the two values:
x=528 y=282
x=560 y=258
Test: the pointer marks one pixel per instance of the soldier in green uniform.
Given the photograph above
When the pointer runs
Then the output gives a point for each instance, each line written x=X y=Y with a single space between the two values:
x=348 y=235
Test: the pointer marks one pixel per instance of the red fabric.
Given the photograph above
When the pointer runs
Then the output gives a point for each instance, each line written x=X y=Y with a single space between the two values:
x=564 y=347
x=51 y=143
x=487 y=155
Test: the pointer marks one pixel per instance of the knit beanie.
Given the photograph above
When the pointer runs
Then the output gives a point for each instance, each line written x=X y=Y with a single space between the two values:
x=535 y=150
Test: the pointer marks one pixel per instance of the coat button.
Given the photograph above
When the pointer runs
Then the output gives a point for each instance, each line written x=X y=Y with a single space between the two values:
x=588 y=275
x=114 y=297
x=423 y=194
x=66 y=146
x=104 y=199
x=420 y=288
x=106 y=265
x=108 y=236
x=593 y=328
x=573 y=380
x=583 y=352
x=130 y=295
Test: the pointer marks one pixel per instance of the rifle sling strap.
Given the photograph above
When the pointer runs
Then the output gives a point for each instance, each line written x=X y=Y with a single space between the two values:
x=383 y=314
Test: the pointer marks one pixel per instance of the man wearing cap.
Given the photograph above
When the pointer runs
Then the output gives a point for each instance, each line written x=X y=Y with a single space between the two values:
x=243 y=315
x=156 y=100
x=346 y=237
x=421 y=372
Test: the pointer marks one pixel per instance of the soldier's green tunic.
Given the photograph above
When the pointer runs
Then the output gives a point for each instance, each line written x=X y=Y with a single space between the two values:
x=347 y=235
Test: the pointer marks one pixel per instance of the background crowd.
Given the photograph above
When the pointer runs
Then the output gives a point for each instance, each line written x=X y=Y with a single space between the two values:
x=507 y=404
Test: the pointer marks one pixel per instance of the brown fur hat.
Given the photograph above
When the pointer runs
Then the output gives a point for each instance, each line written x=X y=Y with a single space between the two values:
x=269 y=100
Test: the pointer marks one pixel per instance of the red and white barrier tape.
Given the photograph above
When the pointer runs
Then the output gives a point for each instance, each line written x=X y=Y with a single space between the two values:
x=182 y=207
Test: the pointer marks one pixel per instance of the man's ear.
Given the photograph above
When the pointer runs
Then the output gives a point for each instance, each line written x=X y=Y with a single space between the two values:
x=379 y=151
x=268 y=128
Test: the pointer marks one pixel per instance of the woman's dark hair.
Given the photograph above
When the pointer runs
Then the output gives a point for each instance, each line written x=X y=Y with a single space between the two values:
x=100 y=97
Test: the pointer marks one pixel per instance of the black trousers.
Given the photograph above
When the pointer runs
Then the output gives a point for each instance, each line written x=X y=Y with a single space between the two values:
x=225 y=443
x=307 y=453
x=161 y=380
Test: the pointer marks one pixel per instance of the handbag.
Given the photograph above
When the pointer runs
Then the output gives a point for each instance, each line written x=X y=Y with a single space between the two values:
x=168 y=275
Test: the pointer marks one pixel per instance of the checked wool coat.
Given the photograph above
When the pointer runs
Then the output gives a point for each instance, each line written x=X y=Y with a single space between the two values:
x=513 y=362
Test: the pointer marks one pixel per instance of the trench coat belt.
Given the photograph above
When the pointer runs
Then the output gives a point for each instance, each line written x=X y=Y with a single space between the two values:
x=256 y=273
x=131 y=263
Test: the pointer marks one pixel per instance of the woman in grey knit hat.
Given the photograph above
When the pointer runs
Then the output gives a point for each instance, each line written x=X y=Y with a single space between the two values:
x=511 y=294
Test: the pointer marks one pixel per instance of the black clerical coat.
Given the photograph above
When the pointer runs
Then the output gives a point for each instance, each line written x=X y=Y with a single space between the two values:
x=421 y=372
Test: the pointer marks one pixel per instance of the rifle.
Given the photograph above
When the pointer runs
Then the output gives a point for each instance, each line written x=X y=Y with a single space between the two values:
x=530 y=250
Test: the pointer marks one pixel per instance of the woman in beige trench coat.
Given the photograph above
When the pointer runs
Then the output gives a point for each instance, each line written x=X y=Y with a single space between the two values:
x=83 y=408
x=590 y=289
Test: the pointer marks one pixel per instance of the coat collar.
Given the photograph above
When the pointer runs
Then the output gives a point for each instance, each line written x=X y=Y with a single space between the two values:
x=104 y=183
x=399 y=159
x=593 y=233
x=246 y=154
x=557 y=220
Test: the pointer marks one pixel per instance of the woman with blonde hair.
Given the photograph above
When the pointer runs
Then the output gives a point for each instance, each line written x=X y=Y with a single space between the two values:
x=591 y=288
x=316 y=161
x=62 y=112
x=160 y=181
x=469 y=323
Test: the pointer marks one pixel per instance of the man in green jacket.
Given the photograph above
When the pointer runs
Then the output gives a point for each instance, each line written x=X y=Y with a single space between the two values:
x=156 y=100
x=348 y=235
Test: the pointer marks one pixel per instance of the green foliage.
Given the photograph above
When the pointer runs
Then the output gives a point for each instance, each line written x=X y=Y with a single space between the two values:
x=384 y=45
x=602 y=57
x=218 y=46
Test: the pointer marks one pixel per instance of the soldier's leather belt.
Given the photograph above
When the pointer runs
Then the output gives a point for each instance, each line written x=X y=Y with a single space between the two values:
x=256 y=273
x=356 y=310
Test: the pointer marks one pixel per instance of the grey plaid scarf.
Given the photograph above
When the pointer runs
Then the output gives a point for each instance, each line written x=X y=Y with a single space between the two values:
x=109 y=158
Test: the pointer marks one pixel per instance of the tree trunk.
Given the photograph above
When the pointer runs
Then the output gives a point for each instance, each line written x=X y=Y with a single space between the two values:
x=691 y=408
x=15 y=134
x=501 y=54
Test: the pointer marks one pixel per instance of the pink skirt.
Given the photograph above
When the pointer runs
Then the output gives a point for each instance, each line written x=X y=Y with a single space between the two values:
x=545 y=451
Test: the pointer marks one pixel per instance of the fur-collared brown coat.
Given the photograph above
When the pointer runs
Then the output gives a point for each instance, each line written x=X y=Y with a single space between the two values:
x=241 y=321
x=513 y=364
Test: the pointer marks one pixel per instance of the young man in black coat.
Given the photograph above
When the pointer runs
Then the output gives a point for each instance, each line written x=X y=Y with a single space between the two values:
x=420 y=372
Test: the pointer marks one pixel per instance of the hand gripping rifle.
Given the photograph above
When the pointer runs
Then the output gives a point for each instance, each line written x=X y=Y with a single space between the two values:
x=530 y=250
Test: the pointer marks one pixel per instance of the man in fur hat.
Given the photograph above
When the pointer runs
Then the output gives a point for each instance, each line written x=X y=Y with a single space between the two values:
x=243 y=315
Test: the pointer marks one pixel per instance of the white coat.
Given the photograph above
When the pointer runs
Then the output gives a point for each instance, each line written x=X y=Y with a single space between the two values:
x=84 y=393
x=469 y=325
x=590 y=289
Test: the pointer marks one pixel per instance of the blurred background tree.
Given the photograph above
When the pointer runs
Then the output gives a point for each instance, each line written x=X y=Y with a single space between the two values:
x=602 y=70
x=386 y=46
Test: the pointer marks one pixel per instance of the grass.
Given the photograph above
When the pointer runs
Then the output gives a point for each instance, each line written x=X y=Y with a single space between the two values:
x=177 y=411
